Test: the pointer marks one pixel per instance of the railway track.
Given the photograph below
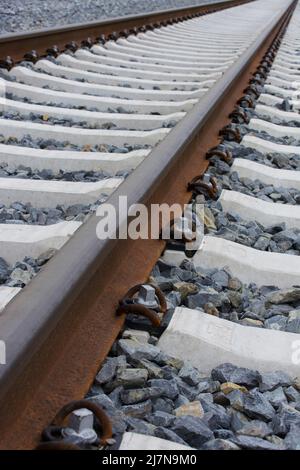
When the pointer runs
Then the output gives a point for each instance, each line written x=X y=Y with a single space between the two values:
x=136 y=114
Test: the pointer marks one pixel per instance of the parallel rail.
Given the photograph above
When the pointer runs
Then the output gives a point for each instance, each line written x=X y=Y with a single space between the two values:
x=59 y=329
x=16 y=45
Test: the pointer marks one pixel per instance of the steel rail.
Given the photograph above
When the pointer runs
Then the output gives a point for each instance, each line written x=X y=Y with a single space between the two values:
x=16 y=45
x=61 y=326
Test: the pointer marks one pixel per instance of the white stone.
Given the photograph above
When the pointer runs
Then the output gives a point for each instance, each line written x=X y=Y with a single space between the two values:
x=134 y=441
x=18 y=241
x=66 y=160
x=266 y=174
x=31 y=77
x=122 y=120
x=79 y=135
x=6 y=295
x=102 y=79
x=100 y=103
x=207 y=341
x=245 y=263
x=44 y=193
x=266 y=213
x=88 y=61
x=266 y=146
x=284 y=116
x=274 y=130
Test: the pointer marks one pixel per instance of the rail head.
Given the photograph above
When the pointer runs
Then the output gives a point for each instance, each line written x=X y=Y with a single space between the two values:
x=16 y=45
x=34 y=314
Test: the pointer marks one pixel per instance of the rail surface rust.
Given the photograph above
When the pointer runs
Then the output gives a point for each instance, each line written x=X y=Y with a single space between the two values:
x=62 y=325
x=16 y=45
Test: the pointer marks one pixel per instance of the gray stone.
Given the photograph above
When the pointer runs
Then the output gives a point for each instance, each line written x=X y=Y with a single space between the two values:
x=208 y=385
x=4 y=270
x=255 y=443
x=168 y=388
x=186 y=390
x=255 y=428
x=221 y=278
x=283 y=420
x=284 y=296
x=292 y=439
x=129 y=378
x=236 y=400
x=140 y=410
x=109 y=368
x=154 y=371
x=137 y=351
x=160 y=418
x=215 y=416
x=129 y=397
x=220 y=399
x=277 y=322
x=163 y=404
x=192 y=430
x=219 y=444
x=140 y=426
x=293 y=322
x=189 y=374
x=169 y=435
x=257 y=406
x=240 y=375
x=292 y=394
x=237 y=419
x=223 y=434
x=276 y=397
x=262 y=243
x=271 y=380
x=116 y=416
x=181 y=400
x=20 y=276
x=205 y=296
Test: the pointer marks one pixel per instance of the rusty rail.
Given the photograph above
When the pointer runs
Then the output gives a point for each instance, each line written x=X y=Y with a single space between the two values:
x=60 y=327
x=17 y=45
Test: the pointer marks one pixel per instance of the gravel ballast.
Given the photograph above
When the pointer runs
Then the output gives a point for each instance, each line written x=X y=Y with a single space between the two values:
x=146 y=391
x=19 y=15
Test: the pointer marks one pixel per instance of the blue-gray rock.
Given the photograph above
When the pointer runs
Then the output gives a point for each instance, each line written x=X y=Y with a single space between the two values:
x=129 y=397
x=4 y=270
x=117 y=417
x=140 y=410
x=257 y=406
x=292 y=439
x=284 y=419
x=237 y=419
x=255 y=428
x=192 y=430
x=138 y=351
x=109 y=368
x=292 y=394
x=219 y=444
x=163 y=404
x=208 y=385
x=277 y=322
x=255 y=443
x=276 y=397
x=168 y=388
x=140 y=426
x=223 y=434
x=168 y=434
x=271 y=380
x=189 y=374
x=160 y=418
x=228 y=372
